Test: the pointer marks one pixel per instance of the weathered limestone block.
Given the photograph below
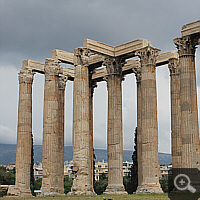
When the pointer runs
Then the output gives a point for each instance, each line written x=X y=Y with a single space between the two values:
x=186 y=46
x=148 y=173
x=51 y=140
x=114 y=135
x=191 y=28
x=63 y=56
x=127 y=50
x=24 y=134
x=82 y=184
x=13 y=190
x=99 y=47
x=176 y=140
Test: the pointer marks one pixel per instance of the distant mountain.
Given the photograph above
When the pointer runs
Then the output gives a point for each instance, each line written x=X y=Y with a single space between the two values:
x=8 y=154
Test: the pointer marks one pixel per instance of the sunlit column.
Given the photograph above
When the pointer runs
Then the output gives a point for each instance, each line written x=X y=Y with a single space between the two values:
x=186 y=46
x=50 y=157
x=24 y=131
x=82 y=183
x=176 y=141
x=149 y=175
x=114 y=134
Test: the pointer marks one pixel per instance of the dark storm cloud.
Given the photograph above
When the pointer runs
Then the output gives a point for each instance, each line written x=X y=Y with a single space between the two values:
x=31 y=29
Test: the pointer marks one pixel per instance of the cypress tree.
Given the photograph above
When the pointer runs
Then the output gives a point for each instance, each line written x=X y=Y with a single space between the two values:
x=32 y=179
x=134 y=167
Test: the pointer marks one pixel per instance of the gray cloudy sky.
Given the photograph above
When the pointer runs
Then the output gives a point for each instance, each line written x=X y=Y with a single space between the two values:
x=31 y=29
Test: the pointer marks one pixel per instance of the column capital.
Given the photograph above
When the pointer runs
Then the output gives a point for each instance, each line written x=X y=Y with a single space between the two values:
x=81 y=56
x=114 y=65
x=173 y=67
x=137 y=72
x=26 y=75
x=147 y=55
x=62 y=81
x=52 y=66
x=186 y=45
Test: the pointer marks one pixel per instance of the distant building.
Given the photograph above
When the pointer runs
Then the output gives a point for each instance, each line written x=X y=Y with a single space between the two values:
x=165 y=170
x=38 y=170
x=10 y=166
x=127 y=168
x=68 y=169
x=100 y=168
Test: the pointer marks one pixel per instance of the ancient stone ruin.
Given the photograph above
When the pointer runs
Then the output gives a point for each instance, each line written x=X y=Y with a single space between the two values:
x=115 y=64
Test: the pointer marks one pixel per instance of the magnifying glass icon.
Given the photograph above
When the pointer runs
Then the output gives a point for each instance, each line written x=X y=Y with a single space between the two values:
x=187 y=186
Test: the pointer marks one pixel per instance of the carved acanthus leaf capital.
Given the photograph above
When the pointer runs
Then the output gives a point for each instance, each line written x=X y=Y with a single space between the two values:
x=51 y=67
x=186 y=45
x=81 y=56
x=137 y=72
x=62 y=81
x=114 y=65
x=26 y=75
x=147 y=55
x=92 y=84
x=173 y=67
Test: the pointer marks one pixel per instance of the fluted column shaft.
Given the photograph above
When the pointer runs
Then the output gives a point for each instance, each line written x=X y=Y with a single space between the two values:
x=188 y=106
x=188 y=102
x=61 y=111
x=149 y=175
x=114 y=134
x=50 y=157
x=82 y=183
x=137 y=72
x=92 y=85
x=24 y=132
x=176 y=141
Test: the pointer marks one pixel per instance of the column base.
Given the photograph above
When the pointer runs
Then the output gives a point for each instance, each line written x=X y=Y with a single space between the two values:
x=79 y=188
x=51 y=191
x=147 y=189
x=115 y=189
x=14 y=190
x=51 y=194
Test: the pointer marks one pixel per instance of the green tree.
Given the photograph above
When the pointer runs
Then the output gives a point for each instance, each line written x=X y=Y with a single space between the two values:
x=7 y=177
x=134 y=167
x=94 y=158
x=37 y=184
x=32 y=179
x=100 y=186
x=166 y=183
x=131 y=182
x=67 y=184
x=127 y=184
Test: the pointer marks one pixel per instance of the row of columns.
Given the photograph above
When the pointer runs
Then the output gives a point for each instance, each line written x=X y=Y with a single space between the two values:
x=53 y=131
x=184 y=122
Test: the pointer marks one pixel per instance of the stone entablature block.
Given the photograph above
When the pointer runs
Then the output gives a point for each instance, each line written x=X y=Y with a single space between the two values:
x=191 y=28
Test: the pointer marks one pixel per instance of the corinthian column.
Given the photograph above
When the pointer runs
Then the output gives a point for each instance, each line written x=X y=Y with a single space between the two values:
x=50 y=162
x=176 y=141
x=61 y=111
x=137 y=72
x=114 y=134
x=92 y=85
x=82 y=183
x=188 y=104
x=24 y=133
x=149 y=174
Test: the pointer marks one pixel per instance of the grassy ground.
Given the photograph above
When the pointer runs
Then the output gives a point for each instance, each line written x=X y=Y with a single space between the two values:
x=99 y=197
